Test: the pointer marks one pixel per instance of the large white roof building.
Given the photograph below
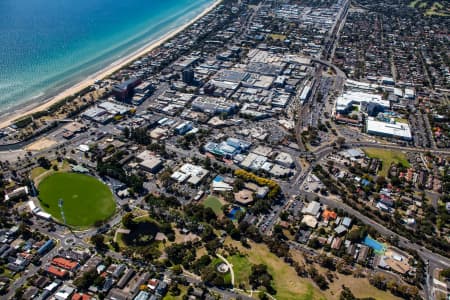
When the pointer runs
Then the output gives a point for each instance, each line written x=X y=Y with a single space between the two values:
x=349 y=98
x=397 y=130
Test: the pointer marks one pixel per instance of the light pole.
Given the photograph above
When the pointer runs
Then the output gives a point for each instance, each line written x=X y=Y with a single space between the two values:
x=60 y=204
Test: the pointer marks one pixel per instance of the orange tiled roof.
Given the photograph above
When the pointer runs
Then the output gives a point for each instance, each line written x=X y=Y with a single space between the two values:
x=329 y=214
x=57 y=272
x=64 y=263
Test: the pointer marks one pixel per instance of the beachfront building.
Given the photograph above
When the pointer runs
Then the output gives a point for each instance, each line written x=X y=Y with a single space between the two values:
x=123 y=91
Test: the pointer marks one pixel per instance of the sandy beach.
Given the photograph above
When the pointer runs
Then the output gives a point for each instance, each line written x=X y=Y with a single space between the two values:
x=8 y=118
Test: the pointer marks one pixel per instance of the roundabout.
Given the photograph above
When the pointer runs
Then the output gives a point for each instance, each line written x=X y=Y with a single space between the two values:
x=77 y=200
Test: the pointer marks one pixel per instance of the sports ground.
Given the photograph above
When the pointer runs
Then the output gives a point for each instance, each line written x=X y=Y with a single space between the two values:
x=85 y=198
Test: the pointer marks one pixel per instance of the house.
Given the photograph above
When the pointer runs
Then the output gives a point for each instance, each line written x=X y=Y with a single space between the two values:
x=152 y=284
x=362 y=254
x=328 y=215
x=64 y=293
x=125 y=278
x=81 y=296
x=161 y=290
x=337 y=243
x=341 y=229
x=347 y=222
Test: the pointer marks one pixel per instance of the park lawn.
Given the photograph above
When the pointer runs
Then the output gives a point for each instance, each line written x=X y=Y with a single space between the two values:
x=285 y=280
x=242 y=269
x=388 y=157
x=360 y=287
x=215 y=204
x=85 y=198
x=39 y=173
x=179 y=297
x=36 y=172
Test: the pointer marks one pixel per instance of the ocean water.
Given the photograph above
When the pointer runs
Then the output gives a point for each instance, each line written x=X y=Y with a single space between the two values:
x=46 y=45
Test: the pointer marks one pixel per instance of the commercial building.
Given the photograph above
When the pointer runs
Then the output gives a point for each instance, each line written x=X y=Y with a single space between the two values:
x=313 y=209
x=191 y=173
x=149 y=162
x=123 y=91
x=65 y=263
x=19 y=192
x=393 y=130
x=46 y=247
x=284 y=159
x=214 y=106
x=253 y=162
x=229 y=148
x=345 y=102
x=184 y=127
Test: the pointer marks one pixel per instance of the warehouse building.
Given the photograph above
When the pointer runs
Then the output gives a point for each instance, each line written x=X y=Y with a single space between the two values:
x=394 y=130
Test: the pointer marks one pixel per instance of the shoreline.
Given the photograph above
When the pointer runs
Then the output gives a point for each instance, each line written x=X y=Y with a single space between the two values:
x=16 y=112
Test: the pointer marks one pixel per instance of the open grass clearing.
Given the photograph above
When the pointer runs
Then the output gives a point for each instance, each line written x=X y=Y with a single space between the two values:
x=387 y=157
x=360 y=287
x=242 y=269
x=183 y=290
x=286 y=282
x=215 y=204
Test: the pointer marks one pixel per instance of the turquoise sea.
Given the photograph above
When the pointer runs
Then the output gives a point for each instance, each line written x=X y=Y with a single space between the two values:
x=46 y=45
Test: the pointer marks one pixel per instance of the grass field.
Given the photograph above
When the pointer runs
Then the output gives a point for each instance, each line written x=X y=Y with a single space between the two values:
x=86 y=199
x=215 y=204
x=388 y=157
x=183 y=290
x=242 y=269
x=360 y=287
x=286 y=282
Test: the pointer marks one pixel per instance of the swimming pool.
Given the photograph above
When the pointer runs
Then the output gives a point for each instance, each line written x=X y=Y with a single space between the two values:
x=374 y=244
x=218 y=178
x=233 y=211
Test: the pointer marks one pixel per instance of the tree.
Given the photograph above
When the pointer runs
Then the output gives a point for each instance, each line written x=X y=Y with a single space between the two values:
x=261 y=277
x=346 y=294
x=340 y=141
x=44 y=163
x=177 y=269
x=128 y=221
x=98 y=240
x=445 y=273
